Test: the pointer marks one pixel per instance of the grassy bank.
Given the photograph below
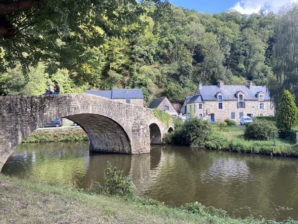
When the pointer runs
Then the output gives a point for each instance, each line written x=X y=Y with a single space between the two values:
x=232 y=139
x=26 y=202
x=66 y=134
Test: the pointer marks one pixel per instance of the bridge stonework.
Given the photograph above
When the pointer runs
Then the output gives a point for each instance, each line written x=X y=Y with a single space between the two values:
x=112 y=127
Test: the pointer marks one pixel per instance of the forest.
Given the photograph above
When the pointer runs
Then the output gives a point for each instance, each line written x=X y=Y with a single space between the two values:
x=164 y=49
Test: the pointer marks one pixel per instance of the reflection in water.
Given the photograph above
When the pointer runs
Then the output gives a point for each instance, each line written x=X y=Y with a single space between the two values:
x=241 y=184
x=226 y=169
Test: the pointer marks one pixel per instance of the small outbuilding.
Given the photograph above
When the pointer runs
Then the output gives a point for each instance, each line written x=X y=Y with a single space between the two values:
x=163 y=104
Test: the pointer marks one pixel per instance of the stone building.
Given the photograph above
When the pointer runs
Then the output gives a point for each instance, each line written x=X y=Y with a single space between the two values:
x=129 y=96
x=163 y=104
x=220 y=102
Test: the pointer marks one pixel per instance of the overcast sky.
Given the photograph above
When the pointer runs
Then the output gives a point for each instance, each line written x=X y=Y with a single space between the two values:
x=242 y=6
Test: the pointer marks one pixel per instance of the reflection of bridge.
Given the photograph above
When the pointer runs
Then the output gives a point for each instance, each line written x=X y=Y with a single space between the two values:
x=143 y=169
x=111 y=126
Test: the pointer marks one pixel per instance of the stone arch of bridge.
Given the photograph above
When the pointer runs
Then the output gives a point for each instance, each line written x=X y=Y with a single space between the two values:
x=105 y=134
x=155 y=134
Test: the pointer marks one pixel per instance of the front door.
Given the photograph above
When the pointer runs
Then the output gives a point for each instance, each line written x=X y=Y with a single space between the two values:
x=212 y=118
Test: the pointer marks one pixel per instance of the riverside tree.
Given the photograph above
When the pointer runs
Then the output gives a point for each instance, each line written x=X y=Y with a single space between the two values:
x=287 y=113
x=60 y=31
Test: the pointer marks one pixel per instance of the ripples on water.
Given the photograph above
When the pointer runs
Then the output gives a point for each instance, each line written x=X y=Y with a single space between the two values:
x=243 y=185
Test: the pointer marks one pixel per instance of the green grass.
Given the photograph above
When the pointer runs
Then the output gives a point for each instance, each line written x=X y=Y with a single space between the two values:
x=69 y=134
x=231 y=138
x=27 y=202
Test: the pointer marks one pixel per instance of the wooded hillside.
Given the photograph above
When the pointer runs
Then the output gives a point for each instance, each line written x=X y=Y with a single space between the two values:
x=153 y=45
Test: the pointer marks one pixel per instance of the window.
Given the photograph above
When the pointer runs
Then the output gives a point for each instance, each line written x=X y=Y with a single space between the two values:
x=220 y=106
x=166 y=108
x=240 y=97
x=233 y=115
x=128 y=101
x=200 y=106
x=262 y=106
x=219 y=98
x=240 y=115
x=261 y=97
x=241 y=105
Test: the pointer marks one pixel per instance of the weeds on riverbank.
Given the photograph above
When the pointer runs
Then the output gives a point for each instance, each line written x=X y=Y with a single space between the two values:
x=70 y=134
x=115 y=183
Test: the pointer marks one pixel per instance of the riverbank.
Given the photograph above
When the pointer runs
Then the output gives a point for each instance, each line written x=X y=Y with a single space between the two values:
x=63 y=134
x=231 y=138
x=42 y=203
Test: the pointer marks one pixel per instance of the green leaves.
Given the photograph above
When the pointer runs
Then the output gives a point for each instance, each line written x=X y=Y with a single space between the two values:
x=287 y=113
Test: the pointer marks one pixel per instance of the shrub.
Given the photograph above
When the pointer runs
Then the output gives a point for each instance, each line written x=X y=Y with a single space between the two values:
x=194 y=132
x=286 y=114
x=198 y=208
x=178 y=122
x=230 y=122
x=222 y=125
x=260 y=130
x=265 y=118
x=116 y=183
x=217 y=142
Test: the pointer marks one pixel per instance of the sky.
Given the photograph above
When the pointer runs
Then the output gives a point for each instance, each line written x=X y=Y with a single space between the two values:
x=242 y=6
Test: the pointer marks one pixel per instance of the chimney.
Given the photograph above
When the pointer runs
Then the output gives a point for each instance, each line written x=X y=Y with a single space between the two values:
x=198 y=89
x=249 y=84
x=220 y=84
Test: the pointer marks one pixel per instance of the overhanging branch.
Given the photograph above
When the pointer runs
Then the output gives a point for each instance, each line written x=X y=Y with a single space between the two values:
x=9 y=8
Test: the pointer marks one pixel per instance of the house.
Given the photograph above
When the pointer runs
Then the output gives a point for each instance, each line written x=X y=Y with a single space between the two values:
x=221 y=102
x=129 y=96
x=163 y=104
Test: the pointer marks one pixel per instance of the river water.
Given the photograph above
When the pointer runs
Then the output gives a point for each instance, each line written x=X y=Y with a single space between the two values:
x=243 y=185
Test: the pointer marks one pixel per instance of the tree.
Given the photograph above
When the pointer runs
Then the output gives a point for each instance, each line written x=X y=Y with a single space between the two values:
x=285 y=54
x=287 y=113
x=61 y=30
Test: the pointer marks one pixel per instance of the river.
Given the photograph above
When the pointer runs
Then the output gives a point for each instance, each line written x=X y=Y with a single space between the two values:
x=243 y=185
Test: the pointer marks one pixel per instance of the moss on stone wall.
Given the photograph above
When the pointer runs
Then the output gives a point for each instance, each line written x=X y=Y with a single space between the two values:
x=162 y=116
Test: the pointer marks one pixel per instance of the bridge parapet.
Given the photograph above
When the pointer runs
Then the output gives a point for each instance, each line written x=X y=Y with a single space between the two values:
x=111 y=126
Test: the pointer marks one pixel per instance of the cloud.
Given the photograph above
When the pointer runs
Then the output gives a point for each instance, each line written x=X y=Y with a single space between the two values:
x=255 y=6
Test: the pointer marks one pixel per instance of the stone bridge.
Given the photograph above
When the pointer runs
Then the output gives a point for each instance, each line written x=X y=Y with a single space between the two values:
x=112 y=127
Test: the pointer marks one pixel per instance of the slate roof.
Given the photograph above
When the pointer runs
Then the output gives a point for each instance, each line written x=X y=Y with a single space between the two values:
x=118 y=93
x=155 y=103
x=208 y=93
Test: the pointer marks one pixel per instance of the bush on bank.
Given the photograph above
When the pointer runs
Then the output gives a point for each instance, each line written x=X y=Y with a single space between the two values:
x=261 y=130
x=231 y=138
x=116 y=183
x=230 y=122
x=194 y=132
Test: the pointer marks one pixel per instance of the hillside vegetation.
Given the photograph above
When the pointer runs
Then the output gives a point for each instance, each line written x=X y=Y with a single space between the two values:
x=163 y=49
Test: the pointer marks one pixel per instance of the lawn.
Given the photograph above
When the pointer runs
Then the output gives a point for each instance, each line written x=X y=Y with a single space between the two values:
x=231 y=138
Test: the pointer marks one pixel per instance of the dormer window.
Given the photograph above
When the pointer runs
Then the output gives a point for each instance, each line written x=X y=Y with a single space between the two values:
x=240 y=99
x=260 y=96
x=240 y=96
x=219 y=97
